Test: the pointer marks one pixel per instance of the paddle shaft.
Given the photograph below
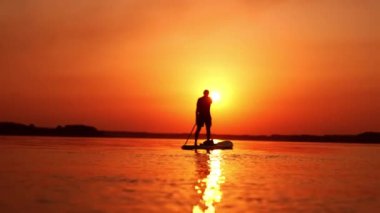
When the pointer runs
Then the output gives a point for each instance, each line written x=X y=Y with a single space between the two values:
x=190 y=134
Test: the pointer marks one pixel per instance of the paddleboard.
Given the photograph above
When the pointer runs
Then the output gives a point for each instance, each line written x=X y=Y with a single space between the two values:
x=220 y=145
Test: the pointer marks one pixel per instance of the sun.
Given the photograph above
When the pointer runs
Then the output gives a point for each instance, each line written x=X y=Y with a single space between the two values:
x=215 y=96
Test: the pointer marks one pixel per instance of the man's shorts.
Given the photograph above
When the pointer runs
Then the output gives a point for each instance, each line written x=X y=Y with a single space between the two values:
x=202 y=121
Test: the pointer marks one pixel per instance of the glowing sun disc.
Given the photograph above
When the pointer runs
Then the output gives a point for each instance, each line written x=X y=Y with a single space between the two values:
x=215 y=96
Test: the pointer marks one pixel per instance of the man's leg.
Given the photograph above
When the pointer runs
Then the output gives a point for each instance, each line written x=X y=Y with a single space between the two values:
x=197 y=134
x=208 y=130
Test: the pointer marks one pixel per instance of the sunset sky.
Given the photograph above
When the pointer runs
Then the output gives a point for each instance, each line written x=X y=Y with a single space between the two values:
x=286 y=67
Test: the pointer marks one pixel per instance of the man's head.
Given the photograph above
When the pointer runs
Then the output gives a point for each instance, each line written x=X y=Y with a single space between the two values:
x=206 y=92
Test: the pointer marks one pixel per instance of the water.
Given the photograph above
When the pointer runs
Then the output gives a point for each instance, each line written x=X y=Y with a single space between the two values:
x=42 y=174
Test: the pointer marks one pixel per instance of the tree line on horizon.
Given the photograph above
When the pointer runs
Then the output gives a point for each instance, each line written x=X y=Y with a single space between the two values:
x=80 y=130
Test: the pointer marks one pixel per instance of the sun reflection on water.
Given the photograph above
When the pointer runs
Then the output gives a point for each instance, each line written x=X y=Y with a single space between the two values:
x=210 y=178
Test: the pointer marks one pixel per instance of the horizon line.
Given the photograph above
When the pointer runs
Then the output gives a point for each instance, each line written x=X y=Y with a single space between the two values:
x=186 y=133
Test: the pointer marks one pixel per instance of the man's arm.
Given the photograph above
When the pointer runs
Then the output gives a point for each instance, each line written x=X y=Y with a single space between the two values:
x=197 y=112
x=198 y=107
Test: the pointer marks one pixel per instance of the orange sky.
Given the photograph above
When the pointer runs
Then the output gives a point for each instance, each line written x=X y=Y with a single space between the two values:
x=285 y=67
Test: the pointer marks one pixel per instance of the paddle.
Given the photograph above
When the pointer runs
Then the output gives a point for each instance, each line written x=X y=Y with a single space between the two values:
x=190 y=134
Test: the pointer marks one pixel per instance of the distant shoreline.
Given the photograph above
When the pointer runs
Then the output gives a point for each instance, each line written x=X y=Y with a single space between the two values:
x=17 y=129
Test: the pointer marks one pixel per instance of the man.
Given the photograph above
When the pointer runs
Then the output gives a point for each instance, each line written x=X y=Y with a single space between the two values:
x=203 y=115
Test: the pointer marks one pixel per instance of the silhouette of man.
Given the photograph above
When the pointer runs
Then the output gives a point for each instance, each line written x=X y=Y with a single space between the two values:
x=203 y=115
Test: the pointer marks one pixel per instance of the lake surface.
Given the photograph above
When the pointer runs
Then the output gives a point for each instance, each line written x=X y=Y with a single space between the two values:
x=51 y=174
